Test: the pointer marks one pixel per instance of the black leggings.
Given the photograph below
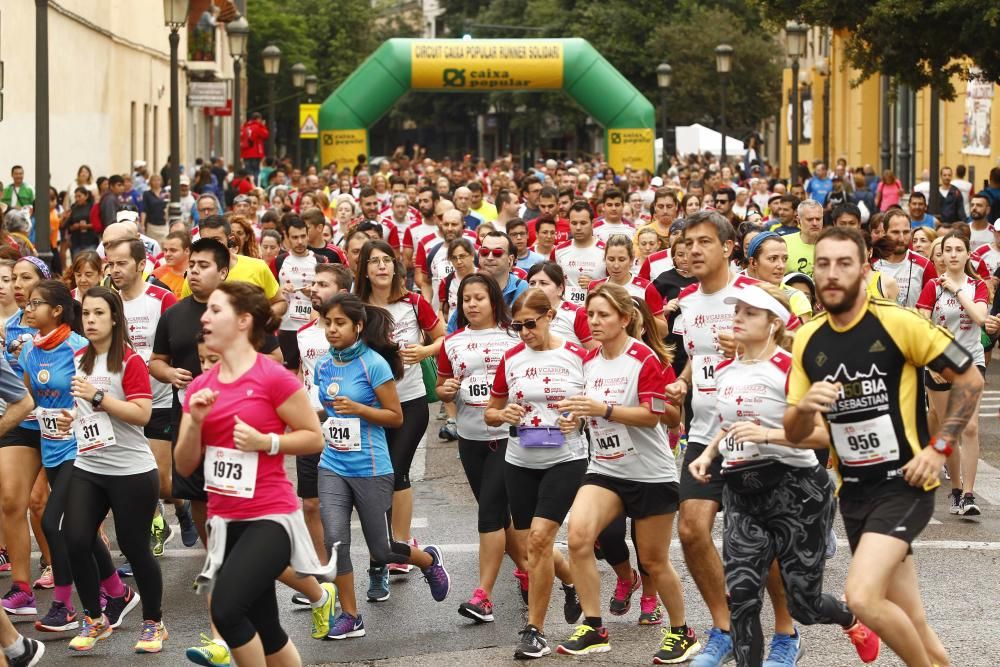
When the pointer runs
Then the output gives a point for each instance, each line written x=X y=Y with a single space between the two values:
x=58 y=504
x=483 y=461
x=613 y=544
x=788 y=523
x=132 y=499
x=403 y=441
x=244 y=602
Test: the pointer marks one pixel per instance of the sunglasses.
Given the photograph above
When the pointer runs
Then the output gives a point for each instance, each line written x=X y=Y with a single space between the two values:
x=530 y=325
x=496 y=252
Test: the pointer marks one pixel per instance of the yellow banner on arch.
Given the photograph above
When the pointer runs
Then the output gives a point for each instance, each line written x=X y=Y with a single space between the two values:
x=343 y=146
x=631 y=148
x=484 y=65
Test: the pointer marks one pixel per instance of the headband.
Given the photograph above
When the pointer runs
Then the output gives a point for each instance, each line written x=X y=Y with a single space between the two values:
x=757 y=241
x=42 y=267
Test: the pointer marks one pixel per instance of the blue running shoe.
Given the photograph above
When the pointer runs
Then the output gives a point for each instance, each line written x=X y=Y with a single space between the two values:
x=435 y=575
x=189 y=534
x=785 y=651
x=346 y=626
x=125 y=570
x=378 y=584
x=718 y=650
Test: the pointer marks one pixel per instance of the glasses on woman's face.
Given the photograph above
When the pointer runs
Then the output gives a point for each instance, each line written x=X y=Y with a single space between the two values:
x=460 y=257
x=530 y=325
x=34 y=304
x=380 y=261
x=496 y=252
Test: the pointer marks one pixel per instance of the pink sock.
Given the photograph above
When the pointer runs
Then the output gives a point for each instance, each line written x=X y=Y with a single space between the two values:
x=113 y=586
x=64 y=594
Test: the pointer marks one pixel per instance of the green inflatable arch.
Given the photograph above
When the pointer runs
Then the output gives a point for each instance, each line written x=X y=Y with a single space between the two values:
x=485 y=65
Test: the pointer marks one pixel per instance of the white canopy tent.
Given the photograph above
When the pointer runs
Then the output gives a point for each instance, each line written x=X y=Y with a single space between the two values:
x=701 y=139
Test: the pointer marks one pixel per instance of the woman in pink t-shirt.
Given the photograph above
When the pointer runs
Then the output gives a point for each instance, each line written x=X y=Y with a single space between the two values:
x=236 y=415
x=889 y=191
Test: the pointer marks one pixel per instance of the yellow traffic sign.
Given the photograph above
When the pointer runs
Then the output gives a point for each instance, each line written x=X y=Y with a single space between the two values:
x=309 y=121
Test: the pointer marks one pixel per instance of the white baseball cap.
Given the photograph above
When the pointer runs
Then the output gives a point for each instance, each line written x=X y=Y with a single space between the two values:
x=996 y=225
x=752 y=295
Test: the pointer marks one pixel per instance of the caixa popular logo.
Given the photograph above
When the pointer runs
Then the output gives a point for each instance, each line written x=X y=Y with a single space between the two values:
x=453 y=77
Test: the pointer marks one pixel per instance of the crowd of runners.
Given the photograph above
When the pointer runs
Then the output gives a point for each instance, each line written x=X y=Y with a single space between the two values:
x=613 y=353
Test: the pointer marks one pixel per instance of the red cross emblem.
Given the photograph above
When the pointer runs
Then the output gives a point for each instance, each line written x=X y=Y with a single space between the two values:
x=535 y=421
x=546 y=380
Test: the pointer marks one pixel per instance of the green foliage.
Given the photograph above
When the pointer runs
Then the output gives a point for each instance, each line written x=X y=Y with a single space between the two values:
x=330 y=37
x=917 y=43
x=333 y=37
x=635 y=36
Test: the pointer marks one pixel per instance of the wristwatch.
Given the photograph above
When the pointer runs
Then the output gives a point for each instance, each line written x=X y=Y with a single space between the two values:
x=98 y=397
x=941 y=446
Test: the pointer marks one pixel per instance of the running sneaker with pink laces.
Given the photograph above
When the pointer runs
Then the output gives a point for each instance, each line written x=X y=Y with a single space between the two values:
x=479 y=607
x=650 y=610
x=522 y=582
x=621 y=601
x=46 y=581
x=866 y=643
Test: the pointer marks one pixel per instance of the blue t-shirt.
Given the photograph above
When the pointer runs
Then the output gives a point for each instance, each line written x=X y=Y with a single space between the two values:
x=50 y=373
x=356 y=380
x=515 y=287
x=819 y=188
x=927 y=221
x=14 y=331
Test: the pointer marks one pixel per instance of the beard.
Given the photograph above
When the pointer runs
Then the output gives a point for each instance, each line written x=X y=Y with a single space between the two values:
x=850 y=295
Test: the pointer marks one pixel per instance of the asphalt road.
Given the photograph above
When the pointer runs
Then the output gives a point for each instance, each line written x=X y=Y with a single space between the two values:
x=959 y=562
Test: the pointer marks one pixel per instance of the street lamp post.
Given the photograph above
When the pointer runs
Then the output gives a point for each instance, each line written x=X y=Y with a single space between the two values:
x=41 y=203
x=238 y=32
x=664 y=73
x=312 y=85
x=795 y=43
x=175 y=17
x=272 y=62
x=298 y=82
x=823 y=69
x=723 y=65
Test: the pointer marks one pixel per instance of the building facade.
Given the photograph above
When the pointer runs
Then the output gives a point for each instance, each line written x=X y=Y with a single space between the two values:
x=883 y=125
x=109 y=86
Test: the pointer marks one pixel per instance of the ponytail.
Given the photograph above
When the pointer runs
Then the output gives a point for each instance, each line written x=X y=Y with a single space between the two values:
x=644 y=327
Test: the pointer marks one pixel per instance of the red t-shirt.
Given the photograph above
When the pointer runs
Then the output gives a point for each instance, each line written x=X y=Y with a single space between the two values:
x=255 y=396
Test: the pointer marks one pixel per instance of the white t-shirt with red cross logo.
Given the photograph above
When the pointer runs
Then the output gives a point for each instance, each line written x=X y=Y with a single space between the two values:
x=313 y=346
x=300 y=272
x=700 y=320
x=640 y=288
x=538 y=381
x=946 y=311
x=142 y=315
x=570 y=323
x=633 y=378
x=412 y=316
x=472 y=357
x=574 y=261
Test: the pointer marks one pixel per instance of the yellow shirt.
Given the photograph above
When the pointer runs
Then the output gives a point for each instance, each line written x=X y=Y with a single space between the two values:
x=486 y=211
x=800 y=254
x=249 y=270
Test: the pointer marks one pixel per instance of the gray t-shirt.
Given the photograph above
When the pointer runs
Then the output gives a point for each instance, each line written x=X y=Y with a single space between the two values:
x=128 y=453
x=12 y=387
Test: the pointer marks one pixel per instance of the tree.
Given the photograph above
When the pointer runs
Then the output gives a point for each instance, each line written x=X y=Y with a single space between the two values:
x=923 y=43
x=330 y=37
x=684 y=32
x=754 y=92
